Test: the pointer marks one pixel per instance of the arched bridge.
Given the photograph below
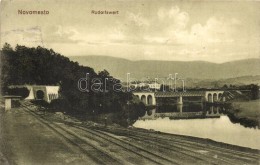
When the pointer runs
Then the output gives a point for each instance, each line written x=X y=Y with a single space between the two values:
x=149 y=98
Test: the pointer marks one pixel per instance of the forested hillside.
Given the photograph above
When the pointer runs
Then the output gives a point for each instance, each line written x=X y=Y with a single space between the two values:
x=41 y=66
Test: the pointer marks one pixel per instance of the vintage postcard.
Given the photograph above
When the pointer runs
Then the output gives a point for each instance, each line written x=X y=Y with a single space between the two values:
x=137 y=82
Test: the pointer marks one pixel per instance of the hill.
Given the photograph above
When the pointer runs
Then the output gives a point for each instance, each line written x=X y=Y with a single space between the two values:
x=209 y=83
x=40 y=66
x=119 y=67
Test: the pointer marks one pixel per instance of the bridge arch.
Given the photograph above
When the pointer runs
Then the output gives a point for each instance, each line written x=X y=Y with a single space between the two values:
x=143 y=99
x=215 y=97
x=149 y=112
x=215 y=110
x=210 y=97
x=220 y=96
x=149 y=100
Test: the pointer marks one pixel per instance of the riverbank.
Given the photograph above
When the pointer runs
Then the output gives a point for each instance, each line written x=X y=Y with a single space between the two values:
x=30 y=136
x=246 y=112
x=249 y=109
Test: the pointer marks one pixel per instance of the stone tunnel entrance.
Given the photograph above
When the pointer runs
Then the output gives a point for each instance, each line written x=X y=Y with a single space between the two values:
x=39 y=95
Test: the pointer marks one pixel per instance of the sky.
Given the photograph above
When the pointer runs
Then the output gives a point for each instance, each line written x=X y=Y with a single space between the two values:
x=201 y=30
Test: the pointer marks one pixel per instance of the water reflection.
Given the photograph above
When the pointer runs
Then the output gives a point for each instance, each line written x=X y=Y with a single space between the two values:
x=195 y=111
x=188 y=111
x=218 y=129
x=200 y=120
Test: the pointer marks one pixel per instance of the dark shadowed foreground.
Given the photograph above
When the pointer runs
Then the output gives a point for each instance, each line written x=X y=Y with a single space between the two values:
x=29 y=136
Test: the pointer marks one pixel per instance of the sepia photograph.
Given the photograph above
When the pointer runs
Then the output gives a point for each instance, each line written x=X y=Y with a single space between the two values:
x=129 y=82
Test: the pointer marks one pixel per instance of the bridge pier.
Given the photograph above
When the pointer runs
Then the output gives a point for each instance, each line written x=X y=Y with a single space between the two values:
x=8 y=101
x=180 y=100
x=8 y=104
x=179 y=108
x=224 y=99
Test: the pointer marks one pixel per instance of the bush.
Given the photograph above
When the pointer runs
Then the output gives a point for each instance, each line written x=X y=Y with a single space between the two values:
x=23 y=92
x=41 y=103
x=131 y=113
x=60 y=105
x=15 y=103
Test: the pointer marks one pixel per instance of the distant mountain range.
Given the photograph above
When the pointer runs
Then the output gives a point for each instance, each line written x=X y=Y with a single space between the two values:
x=243 y=80
x=195 y=70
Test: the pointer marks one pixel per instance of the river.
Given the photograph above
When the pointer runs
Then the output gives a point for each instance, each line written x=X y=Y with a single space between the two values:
x=206 y=122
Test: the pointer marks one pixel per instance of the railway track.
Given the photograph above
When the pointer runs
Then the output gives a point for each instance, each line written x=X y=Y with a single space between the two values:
x=180 y=140
x=179 y=156
x=91 y=146
x=226 y=155
x=182 y=152
x=89 y=150
x=194 y=148
x=121 y=146
x=129 y=147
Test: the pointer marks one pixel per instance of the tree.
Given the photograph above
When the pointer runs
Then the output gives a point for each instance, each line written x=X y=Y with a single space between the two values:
x=42 y=66
x=23 y=92
x=255 y=91
x=225 y=86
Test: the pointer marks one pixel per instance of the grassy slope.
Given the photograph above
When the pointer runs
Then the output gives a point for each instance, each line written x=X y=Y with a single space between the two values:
x=249 y=109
